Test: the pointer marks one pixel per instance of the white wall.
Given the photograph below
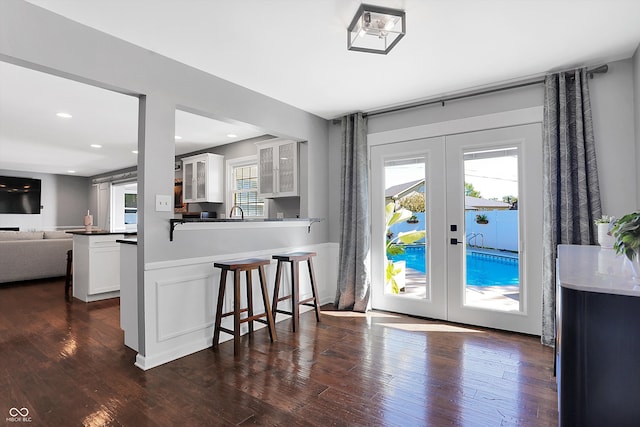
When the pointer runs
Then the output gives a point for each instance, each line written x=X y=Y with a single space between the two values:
x=64 y=201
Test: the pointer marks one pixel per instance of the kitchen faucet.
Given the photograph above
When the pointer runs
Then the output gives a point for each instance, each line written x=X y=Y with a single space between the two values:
x=232 y=209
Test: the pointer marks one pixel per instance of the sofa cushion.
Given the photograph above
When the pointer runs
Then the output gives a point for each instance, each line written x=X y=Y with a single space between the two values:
x=7 y=236
x=57 y=235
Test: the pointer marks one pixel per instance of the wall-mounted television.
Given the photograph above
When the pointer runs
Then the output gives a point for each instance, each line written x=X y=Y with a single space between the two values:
x=19 y=195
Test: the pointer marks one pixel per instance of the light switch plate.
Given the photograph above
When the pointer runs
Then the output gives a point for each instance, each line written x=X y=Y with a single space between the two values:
x=163 y=203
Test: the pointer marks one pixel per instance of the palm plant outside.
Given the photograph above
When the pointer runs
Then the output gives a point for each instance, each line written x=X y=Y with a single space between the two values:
x=395 y=244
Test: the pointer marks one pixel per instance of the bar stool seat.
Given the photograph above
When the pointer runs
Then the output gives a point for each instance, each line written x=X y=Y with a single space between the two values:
x=295 y=258
x=238 y=266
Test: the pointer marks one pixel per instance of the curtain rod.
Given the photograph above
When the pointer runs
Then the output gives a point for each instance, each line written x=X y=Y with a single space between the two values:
x=590 y=72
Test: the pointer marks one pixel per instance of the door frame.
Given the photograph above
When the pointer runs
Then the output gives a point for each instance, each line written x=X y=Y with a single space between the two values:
x=531 y=115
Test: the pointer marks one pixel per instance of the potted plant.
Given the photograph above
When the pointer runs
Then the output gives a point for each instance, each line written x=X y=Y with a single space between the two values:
x=413 y=220
x=482 y=219
x=626 y=231
x=605 y=225
x=395 y=270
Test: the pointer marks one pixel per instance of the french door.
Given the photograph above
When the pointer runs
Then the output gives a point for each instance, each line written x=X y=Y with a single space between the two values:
x=457 y=227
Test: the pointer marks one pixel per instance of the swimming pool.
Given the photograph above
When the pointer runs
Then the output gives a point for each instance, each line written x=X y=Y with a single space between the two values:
x=484 y=268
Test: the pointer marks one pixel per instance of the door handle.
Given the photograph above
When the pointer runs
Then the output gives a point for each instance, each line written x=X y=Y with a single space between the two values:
x=454 y=241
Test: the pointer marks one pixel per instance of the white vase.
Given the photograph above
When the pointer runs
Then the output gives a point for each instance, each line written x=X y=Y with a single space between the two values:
x=605 y=240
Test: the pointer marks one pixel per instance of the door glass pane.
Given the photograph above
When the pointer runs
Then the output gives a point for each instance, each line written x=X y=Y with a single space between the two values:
x=492 y=259
x=407 y=254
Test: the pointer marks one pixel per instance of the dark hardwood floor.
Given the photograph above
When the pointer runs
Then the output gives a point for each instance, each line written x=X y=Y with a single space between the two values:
x=67 y=364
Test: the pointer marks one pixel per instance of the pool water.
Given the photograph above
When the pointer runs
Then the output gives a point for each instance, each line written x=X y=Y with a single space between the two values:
x=482 y=269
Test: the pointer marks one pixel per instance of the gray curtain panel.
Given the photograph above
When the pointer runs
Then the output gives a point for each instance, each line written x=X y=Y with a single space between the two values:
x=571 y=189
x=355 y=240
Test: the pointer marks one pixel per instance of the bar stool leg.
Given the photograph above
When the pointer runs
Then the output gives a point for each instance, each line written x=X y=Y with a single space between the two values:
x=249 y=301
x=265 y=298
x=216 y=328
x=276 y=290
x=295 y=294
x=314 y=289
x=236 y=312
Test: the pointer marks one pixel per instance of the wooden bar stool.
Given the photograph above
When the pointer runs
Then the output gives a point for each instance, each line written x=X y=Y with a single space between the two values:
x=295 y=259
x=248 y=266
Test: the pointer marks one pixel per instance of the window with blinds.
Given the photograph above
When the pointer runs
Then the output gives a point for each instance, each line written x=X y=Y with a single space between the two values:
x=245 y=191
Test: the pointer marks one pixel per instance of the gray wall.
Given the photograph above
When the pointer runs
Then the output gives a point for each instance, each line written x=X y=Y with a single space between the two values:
x=64 y=201
x=45 y=41
x=636 y=85
x=475 y=106
x=613 y=125
x=612 y=102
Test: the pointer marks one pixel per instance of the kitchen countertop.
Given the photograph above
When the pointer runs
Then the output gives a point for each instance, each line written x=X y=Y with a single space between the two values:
x=98 y=232
x=595 y=269
x=184 y=220
x=128 y=241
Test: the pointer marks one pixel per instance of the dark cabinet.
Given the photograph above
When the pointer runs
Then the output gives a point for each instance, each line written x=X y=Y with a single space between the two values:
x=597 y=343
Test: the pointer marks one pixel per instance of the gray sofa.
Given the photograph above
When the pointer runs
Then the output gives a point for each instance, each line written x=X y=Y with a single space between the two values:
x=27 y=255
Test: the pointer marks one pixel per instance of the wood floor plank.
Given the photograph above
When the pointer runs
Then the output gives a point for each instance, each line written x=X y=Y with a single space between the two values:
x=66 y=362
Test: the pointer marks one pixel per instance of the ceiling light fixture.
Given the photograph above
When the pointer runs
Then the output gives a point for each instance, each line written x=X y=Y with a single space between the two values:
x=64 y=115
x=178 y=137
x=375 y=29
x=232 y=135
x=134 y=151
x=96 y=146
x=71 y=171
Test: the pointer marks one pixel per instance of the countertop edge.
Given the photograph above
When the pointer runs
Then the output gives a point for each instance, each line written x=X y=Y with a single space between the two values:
x=588 y=268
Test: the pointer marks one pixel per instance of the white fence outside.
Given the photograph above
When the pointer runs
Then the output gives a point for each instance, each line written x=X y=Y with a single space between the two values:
x=500 y=233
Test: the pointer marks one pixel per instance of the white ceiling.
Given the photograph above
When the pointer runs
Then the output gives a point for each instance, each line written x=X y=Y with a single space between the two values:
x=295 y=51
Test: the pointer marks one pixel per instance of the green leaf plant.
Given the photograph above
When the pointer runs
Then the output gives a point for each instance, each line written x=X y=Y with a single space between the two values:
x=395 y=244
x=627 y=233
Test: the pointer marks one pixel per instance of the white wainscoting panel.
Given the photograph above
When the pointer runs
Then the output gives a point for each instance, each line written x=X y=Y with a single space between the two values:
x=180 y=299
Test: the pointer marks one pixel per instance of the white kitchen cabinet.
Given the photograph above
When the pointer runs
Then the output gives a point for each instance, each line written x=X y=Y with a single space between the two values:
x=277 y=168
x=96 y=265
x=202 y=178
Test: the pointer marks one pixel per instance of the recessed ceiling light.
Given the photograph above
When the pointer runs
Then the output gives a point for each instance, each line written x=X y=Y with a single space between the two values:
x=71 y=171
x=64 y=115
x=232 y=135
x=178 y=137
x=134 y=151
x=96 y=146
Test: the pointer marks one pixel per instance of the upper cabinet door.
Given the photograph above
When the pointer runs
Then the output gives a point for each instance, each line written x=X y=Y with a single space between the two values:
x=266 y=172
x=202 y=178
x=278 y=168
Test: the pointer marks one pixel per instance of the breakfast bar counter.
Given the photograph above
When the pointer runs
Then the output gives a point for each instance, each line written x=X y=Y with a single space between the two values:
x=239 y=223
x=168 y=305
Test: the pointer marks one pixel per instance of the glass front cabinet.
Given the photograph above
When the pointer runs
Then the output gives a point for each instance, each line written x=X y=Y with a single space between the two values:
x=202 y=178
x=277 y=168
